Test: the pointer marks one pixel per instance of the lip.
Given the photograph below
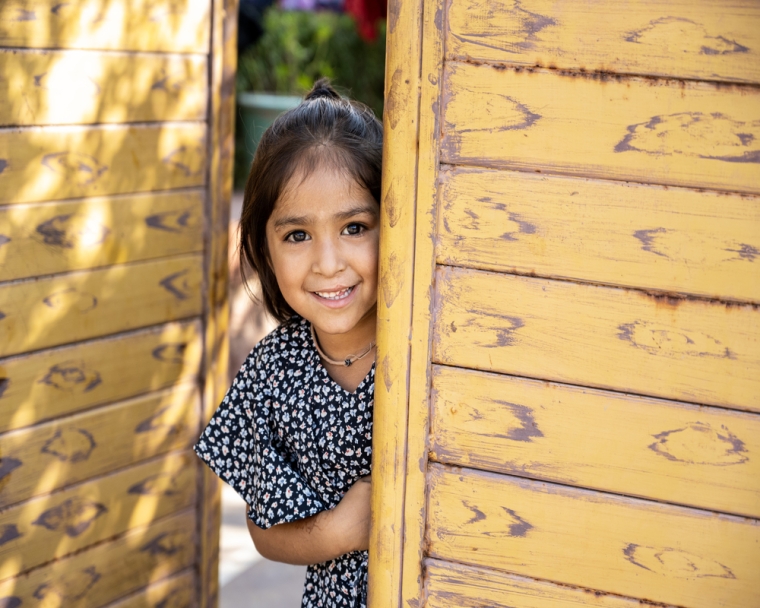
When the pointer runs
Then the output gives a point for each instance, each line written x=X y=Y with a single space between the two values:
x=339 y=303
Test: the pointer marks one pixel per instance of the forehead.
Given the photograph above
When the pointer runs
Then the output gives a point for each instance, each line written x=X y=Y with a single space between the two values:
x=323 y=192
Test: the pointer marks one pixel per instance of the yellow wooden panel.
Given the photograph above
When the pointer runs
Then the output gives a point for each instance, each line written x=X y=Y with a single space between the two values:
x=73 y=87
x=669 y=239
x=66 y=380
x=51 y=238
x=677 y=453
x=631 y=547
x=77 y=306
x=137 y=25
x=663 y=132
x=50 y=527
x=174 y=592
x=69 y=162
x=72 y=449
x=691 y=350
x=452 y=585
x=112 y=569
x=703 y=39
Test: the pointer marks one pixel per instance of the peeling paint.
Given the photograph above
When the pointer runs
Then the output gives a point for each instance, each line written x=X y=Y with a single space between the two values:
x=519 y=528
x=77 y=168
x=479 y=515
x=169 y=221
x=153 y=423
x=4 y=384
x=693 y=37
x=701 y=444
x=8 y=464
x=674 y=562
x=665 y=340
x=71 y=375
x=71 y=299
x=70 y=586
x=528 y=429
x=8 y=533
x=70 y=445
x=72 y=517
x=69 y=231
x=170 y=353
x=166 y=543
x=161 y=484
x=4 y=239
x=177 y=285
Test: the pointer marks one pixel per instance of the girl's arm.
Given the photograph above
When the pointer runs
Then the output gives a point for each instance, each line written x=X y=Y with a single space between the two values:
x=321 y=537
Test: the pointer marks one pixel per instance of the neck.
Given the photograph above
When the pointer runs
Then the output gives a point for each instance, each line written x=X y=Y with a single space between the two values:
x=340 y=346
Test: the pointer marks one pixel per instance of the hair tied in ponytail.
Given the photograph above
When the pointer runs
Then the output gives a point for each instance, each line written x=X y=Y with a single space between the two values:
x=322 y=88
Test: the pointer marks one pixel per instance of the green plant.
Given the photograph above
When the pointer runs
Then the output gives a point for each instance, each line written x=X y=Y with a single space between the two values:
x=298 y=47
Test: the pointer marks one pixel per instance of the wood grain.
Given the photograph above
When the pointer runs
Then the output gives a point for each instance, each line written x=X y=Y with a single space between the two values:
x=175 y=591
x=82 y=305
x=669 y=239
x=50 y=527
x=66 y=380
x=82 y=87
x=690 y=350
x=630 y=547
x=451 y=585
x=109 y=570
x=137 y=25
x=58 y=237
x=47 y=163
x=72 y=449
x=703 y=39
x=401 y=122
x=661 y=132
x=671 y=452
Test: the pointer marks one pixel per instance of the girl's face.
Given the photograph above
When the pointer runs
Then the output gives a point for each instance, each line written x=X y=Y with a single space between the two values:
x=323 y=247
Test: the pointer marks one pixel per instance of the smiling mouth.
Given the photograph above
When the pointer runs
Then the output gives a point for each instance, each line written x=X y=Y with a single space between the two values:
x=335 y=295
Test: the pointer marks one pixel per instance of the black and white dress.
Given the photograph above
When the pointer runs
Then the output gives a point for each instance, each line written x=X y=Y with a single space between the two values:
x=291 y=442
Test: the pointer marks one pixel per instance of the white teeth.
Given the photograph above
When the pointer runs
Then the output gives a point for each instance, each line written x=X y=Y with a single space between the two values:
x=334 y=295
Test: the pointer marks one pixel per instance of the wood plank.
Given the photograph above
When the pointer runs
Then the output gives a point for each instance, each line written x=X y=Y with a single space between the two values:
x=661 y=132
x=669 y=239
x=672 y=452
x=690 y=350
x=47 y=163
x=66 y=380
x=401 y=132
x=420 y=332
x=49 y=527
x=176 y=591
x=452 y=585
x=137 y=25
x=58 y=237
x=82 y=305
x=703 y=39
x=76 y=87
x=68 y=450
x=103 y=573
x=620 y=545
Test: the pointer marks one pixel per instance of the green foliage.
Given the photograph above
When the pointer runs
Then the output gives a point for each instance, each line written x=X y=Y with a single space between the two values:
x=299 y=47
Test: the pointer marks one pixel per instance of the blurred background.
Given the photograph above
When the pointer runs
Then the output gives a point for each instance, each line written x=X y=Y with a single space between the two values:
x=282 y=49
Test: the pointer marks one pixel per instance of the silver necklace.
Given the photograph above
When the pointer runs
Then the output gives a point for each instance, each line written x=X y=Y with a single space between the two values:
x=348 y=360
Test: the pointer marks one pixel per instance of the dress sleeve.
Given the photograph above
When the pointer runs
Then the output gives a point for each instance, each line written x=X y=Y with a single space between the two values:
x=240 y=447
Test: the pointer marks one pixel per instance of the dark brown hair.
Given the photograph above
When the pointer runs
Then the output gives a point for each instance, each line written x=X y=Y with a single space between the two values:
x=324 y=130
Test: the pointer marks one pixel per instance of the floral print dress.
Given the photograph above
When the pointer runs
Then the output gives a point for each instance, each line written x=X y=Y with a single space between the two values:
x=291 y=442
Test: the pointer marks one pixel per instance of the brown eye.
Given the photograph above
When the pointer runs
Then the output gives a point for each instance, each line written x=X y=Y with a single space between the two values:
x=297 y=236
x=353 y=229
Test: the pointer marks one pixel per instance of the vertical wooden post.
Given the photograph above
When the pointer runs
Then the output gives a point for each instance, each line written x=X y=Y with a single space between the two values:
x=216 y=313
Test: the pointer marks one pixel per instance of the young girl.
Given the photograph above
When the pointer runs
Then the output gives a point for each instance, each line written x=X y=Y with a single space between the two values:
x=293 y=434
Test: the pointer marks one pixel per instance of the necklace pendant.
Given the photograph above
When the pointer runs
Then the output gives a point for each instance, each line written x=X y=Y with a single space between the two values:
x=348 y=362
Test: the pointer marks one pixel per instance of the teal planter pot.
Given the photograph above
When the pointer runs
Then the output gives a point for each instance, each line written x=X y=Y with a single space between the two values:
x=256 y=111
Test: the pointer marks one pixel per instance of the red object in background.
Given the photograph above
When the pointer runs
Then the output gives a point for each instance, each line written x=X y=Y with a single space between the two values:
x=367 y=13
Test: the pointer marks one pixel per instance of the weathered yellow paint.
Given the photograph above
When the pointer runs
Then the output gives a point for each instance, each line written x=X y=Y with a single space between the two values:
x=664 y=132
x=77 y=87
x=137 y=25
x=53 y=526
x=666 y=451
x=50 y=238
x=394 y=300
x=68 y=450
x=70 y=162
x=691 y=350
x=452 y=585
x=630 y=547
x=701 y=39
x=112 y=569
x=670 y=239
x=82 y=305
x=177 y=591
x=66 y=380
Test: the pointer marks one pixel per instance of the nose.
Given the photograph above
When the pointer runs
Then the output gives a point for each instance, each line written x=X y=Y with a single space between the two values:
x=329 y=259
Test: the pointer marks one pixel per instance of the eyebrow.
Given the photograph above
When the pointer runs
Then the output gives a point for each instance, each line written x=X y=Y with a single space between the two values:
x=304 y=220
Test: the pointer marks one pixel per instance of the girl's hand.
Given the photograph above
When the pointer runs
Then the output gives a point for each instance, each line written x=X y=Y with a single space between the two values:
x=321 y=537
